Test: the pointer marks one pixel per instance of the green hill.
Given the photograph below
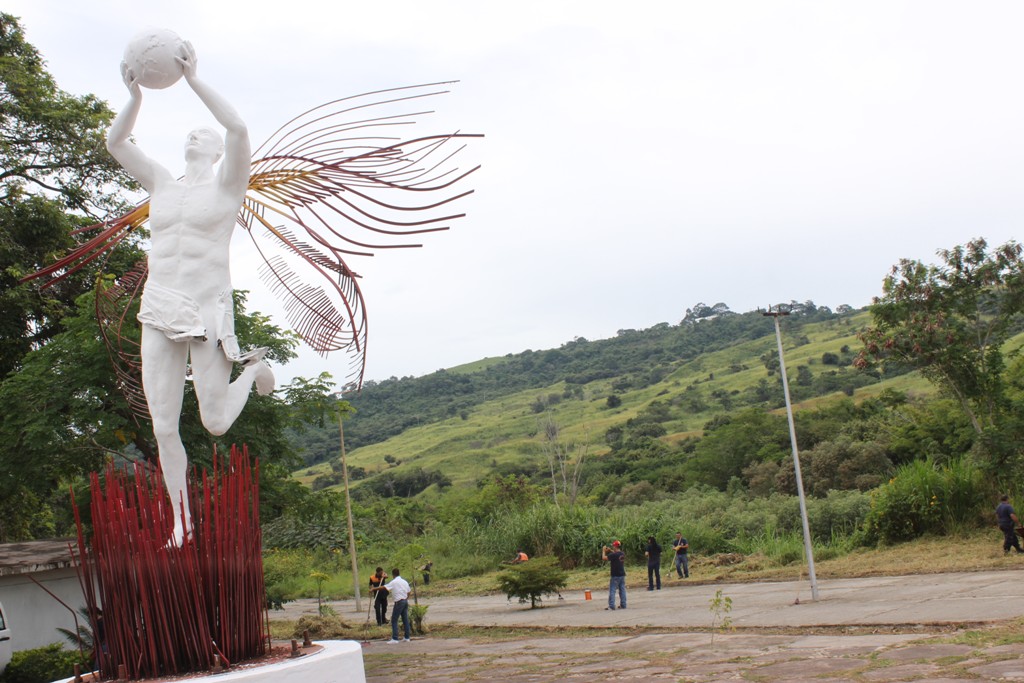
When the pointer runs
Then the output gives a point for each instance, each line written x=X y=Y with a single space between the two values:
x=460 y=425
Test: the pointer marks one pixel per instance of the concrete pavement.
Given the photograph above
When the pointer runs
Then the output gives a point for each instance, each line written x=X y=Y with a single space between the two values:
x=967 y=597
x=892 y=628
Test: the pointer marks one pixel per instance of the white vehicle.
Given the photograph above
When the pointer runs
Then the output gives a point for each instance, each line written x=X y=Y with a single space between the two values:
x=5 y=640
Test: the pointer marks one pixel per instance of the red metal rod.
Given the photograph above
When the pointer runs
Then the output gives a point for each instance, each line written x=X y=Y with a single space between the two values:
x=165 y=609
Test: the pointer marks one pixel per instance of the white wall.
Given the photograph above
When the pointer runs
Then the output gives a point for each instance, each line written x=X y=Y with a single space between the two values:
x=32 y=614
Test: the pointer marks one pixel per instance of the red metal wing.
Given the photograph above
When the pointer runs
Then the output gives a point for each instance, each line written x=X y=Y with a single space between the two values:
x=349 y=160
x=117 y=301
x=322 y=178
x=98 y=240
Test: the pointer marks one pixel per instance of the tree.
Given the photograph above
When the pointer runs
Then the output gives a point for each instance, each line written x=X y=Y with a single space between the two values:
x=530 y=581
x=725 y=451
x=498 y=493
x=702 y=311
x=62 y=415
x=408 y=558
x=844 y=464
x=55 y=176
x=52 y=142
x=565 y=461
x=950 y=321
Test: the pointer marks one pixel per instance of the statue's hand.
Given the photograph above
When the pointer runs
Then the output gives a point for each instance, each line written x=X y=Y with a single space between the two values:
x=131 y=80
x=187 y=59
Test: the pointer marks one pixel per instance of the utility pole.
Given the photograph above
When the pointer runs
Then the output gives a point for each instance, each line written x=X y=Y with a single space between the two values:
x=809 y=551
x=348 y=511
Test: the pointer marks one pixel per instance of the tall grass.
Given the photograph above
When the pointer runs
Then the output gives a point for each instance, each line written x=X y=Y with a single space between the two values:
x=712 y=521
x=923 y=497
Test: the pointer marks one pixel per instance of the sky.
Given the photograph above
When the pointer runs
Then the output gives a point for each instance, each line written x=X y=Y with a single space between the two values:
x=639 y=157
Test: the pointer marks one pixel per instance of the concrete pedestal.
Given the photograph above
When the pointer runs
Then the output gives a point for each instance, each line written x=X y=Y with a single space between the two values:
x=340 y=661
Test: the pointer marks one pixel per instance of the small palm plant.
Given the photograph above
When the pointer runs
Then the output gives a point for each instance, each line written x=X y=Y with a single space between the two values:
x=321 y=578
x=82 y=637
x=720 y=607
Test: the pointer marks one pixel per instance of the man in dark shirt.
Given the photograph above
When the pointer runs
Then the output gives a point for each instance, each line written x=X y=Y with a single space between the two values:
x=616 y=559
x=653 y=553
x=1007 y=520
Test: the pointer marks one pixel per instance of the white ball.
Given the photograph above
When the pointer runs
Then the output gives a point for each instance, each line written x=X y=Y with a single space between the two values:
x=152 y=58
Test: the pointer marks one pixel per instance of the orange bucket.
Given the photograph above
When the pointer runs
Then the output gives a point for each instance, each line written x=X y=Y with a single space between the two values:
x=586 y=595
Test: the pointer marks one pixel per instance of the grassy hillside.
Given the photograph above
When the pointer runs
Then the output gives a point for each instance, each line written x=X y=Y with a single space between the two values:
x=503 y=431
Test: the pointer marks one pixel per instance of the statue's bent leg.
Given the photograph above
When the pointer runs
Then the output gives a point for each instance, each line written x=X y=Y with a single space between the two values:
x=220 y=400
x=163 y=380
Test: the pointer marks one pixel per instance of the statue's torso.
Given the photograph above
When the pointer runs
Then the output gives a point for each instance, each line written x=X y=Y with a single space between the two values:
x=191 y=229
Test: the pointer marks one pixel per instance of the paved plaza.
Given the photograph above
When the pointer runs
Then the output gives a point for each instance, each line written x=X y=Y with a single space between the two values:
x=870 y=629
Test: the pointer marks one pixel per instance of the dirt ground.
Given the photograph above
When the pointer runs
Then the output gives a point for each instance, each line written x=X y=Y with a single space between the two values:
x=943 y=627
x=695 y=657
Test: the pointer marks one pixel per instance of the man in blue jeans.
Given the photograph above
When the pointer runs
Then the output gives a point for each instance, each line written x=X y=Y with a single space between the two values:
x=398 y=588
x=616 y=559
x=682 y=560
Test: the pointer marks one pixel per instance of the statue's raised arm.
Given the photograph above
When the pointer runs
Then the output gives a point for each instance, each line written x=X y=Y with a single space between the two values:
x=119 y=143
x=234 y=169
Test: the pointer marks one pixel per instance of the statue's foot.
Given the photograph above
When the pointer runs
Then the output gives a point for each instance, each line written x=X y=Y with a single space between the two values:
x=180 y=536
x=264 y=379
x=251 y=357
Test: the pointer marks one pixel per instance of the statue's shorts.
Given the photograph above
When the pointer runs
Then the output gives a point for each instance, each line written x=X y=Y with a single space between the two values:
x=177 y=315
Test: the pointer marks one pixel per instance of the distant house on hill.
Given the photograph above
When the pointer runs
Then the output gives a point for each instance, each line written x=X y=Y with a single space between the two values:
x=29 y=573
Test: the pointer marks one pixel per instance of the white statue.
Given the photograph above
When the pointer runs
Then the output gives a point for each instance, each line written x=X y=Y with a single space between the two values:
x=339 y=160
x=187 y=311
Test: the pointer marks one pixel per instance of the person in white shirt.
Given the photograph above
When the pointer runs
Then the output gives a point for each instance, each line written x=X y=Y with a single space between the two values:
x=398 y=588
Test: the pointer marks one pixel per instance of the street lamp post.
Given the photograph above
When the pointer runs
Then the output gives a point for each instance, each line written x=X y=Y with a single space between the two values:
x=796 y=455
x=348 y=512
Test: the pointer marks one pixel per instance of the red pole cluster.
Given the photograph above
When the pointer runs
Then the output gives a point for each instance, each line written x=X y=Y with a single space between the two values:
x=159 y=609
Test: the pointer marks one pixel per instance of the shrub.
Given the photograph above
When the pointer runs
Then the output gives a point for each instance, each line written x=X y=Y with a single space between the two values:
x=782 y=548
x=845 y=464
x=573 y=534
x=635 y=494
x=326 y=627
x=531 y=580
x=291 y=532
x=42 y=665
x=923 y=498
x=840 y=513
x=418 y=614
x=405 y=484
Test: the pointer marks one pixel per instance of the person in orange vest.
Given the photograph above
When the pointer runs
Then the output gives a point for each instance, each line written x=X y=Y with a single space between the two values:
x=380 y=600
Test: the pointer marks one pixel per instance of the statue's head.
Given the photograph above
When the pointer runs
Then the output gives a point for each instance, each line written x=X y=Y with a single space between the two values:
x=204 y=143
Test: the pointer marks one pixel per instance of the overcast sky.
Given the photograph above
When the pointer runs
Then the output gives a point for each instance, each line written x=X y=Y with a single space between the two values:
x=640 y=157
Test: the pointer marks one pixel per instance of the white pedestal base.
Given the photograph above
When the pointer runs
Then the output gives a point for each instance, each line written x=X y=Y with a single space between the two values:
x=340 y=661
